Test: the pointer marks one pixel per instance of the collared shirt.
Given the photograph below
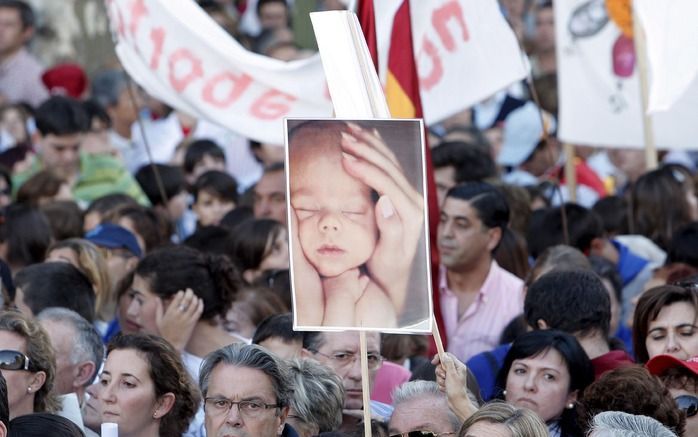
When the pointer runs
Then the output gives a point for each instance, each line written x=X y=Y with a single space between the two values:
x=499 y=300
x=20 y=79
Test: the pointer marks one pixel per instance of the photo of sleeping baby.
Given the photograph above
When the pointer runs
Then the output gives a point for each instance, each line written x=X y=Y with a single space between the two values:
x=357 y=214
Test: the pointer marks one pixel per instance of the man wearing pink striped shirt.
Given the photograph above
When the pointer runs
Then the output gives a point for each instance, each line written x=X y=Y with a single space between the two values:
x=478 y=298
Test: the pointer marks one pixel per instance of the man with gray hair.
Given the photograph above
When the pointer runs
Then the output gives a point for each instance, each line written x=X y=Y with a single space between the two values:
x=79 y=354
x=340 y=351
x=619 y=424
x=79 y=349
x=317 y=400
x=247 y=392
x=421 y=406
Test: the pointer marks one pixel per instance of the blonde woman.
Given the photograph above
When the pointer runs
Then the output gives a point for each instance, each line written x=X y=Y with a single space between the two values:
x=503 y=420
x=88 y=258
x=28 y=365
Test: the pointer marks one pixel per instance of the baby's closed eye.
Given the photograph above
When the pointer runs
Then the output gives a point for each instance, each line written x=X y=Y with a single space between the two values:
x=304 y=213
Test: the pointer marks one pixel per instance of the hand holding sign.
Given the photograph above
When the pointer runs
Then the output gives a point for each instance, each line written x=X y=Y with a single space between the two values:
x=399 y=211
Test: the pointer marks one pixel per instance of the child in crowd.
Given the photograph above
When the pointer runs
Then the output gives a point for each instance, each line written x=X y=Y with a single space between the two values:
x=336 y=228
x=202 y=156
x=215 y=194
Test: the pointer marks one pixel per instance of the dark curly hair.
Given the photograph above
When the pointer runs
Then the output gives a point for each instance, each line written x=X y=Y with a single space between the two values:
x=213 y=278
x=168 y=375
x=631 y=390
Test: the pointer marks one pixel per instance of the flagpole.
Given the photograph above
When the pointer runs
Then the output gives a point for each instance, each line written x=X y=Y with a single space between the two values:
x=647 y=127
x=570 y=173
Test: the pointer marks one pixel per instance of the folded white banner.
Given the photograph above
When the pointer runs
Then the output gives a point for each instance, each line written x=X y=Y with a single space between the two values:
x=465 y=53
x=599 y=88
x=180 y=55
x=672 y=48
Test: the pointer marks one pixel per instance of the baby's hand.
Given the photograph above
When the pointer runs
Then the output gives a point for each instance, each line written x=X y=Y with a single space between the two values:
x=348 y=284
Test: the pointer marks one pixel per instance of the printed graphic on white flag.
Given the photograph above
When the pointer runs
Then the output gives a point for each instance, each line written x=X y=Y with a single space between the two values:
x=672 y=48
x=599 y=87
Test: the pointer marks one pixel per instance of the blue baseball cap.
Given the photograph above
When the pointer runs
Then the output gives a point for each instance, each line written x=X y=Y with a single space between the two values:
x=114 y=236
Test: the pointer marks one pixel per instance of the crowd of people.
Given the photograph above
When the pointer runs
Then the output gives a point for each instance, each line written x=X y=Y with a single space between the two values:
x=145 y=269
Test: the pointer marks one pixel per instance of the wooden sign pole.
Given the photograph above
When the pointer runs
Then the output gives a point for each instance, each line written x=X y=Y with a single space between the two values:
x=365 y=386
x=570 y=173
x=641 y=57
x=437 y=339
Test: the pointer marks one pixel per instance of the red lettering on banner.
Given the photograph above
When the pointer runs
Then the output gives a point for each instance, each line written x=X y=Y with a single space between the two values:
x=195 y=71
x=138 y=11
x=437 y=70
x=120 y=27
x=238 y=85
x=440 y=18
x=266 y=109
x=157 y=37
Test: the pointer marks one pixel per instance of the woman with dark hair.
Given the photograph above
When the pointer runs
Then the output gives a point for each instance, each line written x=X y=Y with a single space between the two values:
x=665 y=323
x=28 y=364
x=663 y=200
x=182 y=295
x=258 y=246
x=145 y=389
x=41 y=425
x=25 y=234
x=546 y=371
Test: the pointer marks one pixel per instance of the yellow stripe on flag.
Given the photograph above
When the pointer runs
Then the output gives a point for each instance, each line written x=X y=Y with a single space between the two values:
x=399 y=102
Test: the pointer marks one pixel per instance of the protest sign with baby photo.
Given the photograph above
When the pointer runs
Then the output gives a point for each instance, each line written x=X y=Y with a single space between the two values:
x=359 y=252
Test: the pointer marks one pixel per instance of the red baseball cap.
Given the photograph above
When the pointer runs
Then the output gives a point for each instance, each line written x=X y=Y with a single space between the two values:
x=661 y=363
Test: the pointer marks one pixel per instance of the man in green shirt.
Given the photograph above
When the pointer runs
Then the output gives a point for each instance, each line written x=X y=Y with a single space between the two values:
x=61 y=123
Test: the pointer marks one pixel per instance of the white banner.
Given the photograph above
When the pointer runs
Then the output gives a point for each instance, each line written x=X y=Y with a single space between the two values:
x=181 y=56
x=672 y=48
x=599 y=87
x=465 y=53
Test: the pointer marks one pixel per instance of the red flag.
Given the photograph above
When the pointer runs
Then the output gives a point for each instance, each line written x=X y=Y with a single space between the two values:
x=367 y=20
x=402 y=94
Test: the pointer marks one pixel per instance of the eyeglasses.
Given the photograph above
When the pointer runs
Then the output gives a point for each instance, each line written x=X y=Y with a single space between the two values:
x=421 y=434
x=688 y=403
x=13 y=360
x=249 y=409
x=346 y=359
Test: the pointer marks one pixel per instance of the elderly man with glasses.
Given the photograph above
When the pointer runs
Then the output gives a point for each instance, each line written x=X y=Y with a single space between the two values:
x=341 y=352
x=246 y=393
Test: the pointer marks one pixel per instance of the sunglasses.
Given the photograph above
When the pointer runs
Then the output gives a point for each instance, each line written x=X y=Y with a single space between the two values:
x=13 y=360
x=422 y=434
x=687 y=403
